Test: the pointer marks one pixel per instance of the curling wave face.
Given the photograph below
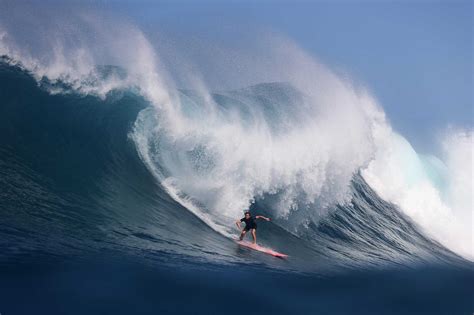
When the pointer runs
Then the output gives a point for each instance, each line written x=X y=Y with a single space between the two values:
x=88 y=190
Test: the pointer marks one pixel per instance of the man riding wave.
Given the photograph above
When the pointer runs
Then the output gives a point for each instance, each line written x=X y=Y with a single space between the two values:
x=250 y=225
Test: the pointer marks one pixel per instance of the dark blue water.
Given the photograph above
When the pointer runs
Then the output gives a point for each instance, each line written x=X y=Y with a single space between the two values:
x=86 y=229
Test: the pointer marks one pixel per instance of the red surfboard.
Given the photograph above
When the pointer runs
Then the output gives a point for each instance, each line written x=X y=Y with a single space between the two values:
x=261 y=249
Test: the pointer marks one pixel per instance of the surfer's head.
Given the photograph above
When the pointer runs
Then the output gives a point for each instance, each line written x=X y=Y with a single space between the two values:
x=247 y=214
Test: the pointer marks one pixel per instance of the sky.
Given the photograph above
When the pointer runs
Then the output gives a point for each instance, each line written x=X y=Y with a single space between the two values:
x=414 y=56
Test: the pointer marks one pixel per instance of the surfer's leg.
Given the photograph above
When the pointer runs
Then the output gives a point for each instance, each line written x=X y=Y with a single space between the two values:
x=242 y=234
x=254 y=235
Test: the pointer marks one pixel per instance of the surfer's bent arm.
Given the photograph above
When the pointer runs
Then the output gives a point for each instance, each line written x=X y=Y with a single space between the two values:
x=238 y=224
x=262 y=217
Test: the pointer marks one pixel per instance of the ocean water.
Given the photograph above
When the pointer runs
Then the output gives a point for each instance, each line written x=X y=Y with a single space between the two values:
x=116 y=203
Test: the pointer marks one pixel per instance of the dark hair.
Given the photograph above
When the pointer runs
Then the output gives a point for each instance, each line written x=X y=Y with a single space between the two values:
x=247 y=212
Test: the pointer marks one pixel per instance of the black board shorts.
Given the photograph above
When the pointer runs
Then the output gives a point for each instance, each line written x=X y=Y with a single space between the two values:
x=248 y=228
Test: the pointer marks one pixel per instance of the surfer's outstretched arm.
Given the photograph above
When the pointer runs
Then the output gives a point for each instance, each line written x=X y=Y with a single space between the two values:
x=262 y=217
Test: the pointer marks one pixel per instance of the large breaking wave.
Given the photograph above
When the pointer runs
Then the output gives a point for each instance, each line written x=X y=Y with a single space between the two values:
x=310 y=148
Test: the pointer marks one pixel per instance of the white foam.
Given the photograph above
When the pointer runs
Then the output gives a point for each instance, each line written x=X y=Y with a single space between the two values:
x=223 y=161
x=72 y=55
x=443 y=209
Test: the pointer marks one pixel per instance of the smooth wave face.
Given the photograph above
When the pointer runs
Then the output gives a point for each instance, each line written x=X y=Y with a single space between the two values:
x=76 y=180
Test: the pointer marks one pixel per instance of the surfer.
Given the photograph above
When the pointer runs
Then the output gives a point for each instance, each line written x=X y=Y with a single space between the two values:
x=250 y=225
